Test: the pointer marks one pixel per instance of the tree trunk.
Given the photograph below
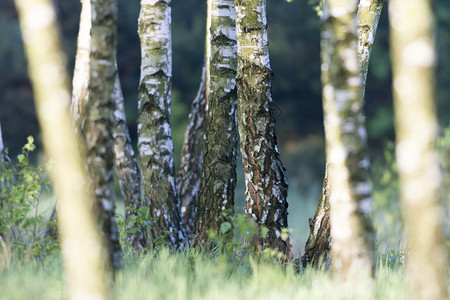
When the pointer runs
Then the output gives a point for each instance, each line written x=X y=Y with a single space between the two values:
x=414 y=59
x=2 y=147
x=188 y=176
x=126 y=168
x=352 y=250
x=154 y=132
x=218 y=176
x=317 y=245
x=84 y=255
x=265 y=179
x=98 y=119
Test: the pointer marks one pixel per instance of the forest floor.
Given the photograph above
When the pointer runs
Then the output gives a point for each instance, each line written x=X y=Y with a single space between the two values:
x=194 y=276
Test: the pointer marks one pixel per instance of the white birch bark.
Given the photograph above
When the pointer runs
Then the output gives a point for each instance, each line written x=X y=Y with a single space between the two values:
x=154 y=132
x=265 y=178
x=218 y=177
x=84 y=255
x=414 y=61
x=352 y=248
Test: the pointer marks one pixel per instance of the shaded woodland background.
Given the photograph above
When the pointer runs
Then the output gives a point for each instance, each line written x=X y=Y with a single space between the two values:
x=295 y=59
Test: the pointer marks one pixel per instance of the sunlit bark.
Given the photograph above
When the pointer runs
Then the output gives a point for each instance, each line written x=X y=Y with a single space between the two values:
x=265 y=178
x=154 y=132
x=85 y=258
x=352 y=248
x=414 y=60
x=318 y=244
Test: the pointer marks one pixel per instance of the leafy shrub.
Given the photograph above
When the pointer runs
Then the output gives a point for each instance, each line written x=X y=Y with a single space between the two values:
x=21 y=225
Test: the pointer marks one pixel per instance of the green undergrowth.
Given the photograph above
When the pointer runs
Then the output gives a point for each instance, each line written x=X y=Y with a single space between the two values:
x=193 y=275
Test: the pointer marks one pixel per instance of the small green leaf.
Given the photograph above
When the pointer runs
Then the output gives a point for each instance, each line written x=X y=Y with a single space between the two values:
x=225 y=227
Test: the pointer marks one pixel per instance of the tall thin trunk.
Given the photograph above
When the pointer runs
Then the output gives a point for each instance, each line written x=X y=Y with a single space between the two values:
x=352 y=250
x=218 y=176
x=98 y=119
x=126 y=168
x=154 y=132
x=189 y=172
x=414 y=60
x=2 y=147
x=318 y=244
x=84 y=255
x=265 y=178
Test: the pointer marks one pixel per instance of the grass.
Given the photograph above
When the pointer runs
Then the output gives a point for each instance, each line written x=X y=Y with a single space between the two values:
x=191 y=275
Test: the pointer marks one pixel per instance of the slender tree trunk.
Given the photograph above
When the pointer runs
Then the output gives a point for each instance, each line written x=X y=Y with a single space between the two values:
x=218 y=176
x=126 y=168
x=84 y=255
x=414 y=59
x=2 y=147
x=265 y=179
x=154 y=132
x=98 y=119
x=188 y=176
x=317 y=245
x=352 y=251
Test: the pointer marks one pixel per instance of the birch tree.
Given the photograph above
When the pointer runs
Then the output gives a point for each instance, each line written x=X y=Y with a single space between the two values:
x=154 y=133
x=84 y=255
x=189 y=172
x=218 y=176
x=98 y=119
x=124 y=159
x=352 y=251
x=318 y=243
x=414 y=60
x=265 y=178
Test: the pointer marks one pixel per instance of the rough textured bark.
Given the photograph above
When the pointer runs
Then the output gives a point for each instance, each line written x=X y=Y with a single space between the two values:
x=188 y=176
x=265 y=179
x=154 y=132
x=84 y=256
x=317 y=245
x=218 y=176
x=352 y=250
x=414 y=60
x=98 y=119
x=126 y=167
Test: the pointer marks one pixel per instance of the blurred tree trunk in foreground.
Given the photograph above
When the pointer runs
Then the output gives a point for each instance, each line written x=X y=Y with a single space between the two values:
x=414 y=60
x=189 y=172
x=318 y=244
x=218 y=176
x=84 y=255
x=154 y=133
x=265 y=178
x=352 y=248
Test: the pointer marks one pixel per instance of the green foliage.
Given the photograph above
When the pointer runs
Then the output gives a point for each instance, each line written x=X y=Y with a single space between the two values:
x=21 y=224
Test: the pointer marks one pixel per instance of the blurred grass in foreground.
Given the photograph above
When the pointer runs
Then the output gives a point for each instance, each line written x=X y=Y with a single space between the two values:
x=191 y=275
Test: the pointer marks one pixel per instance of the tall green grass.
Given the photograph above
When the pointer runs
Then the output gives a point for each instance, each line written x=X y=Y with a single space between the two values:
x=190 y=275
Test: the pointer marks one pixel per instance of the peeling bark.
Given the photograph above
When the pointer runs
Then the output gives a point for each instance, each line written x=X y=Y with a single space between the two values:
x=98 y=119
x=368 y=16
x=414 y=61
x=265 y=178
x=188 y=176
x=352 y=250
x=126 y=167
x=218 y=176
x=154 y=133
